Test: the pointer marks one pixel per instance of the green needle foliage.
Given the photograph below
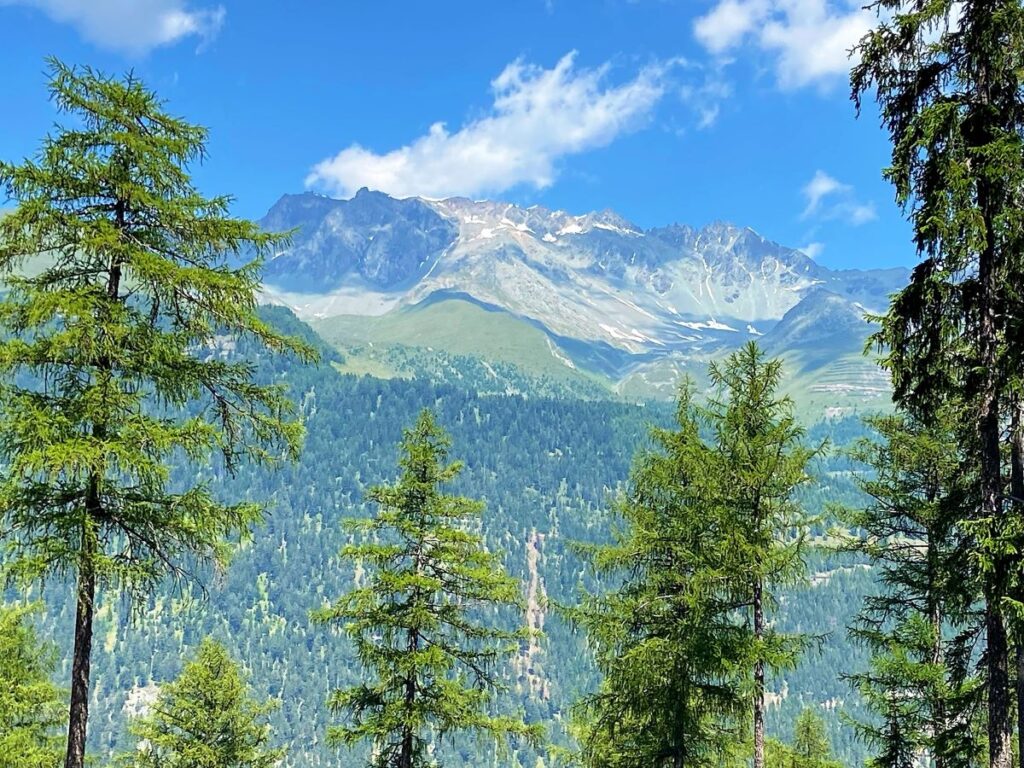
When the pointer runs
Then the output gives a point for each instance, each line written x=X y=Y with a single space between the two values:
x=922 y=627
x=205 y=718
x=710 y=528
x=948 y=77
x=672 y=654
x=810 y=748
x=119 y=294
x=413 y=617
x=31 y=706
x=762 y=461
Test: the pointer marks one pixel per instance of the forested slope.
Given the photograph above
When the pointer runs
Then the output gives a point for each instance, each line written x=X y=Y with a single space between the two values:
x=546 y=469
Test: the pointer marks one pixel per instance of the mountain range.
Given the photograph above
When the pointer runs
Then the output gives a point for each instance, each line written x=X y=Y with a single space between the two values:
x=590 y=295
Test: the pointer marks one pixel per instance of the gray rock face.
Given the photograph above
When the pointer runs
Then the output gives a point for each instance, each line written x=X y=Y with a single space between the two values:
x=596 y=278
x=823 y=320
x=371 y=238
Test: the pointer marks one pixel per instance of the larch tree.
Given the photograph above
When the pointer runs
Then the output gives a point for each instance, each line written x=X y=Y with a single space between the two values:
x=31 y=705
x=666 y=639
x=119 y=287
x=762 y=461
x=921 y=627
x=810 y=747
x=713 y=529
x=205 y=718
x=947 y=77
x=433 y=664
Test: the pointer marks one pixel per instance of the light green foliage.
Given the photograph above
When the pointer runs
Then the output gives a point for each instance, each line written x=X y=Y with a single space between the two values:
x=710 y=521
x=810 y=747
x=205 y=718
x=414 y=617
x=105 y=348
x=921 y=627
x=112 y=364
x=30 y=704
x=760 y=462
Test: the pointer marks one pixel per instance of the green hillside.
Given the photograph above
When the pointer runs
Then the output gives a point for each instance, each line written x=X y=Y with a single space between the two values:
x=458 y=327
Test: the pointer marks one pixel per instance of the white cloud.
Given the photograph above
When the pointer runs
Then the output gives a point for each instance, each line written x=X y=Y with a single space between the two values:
x=132 y=26
x=538 y=117
x=705 y=97
x=809 y=40
x=818 y=188
x=729 y=23
x=813 y=250
x=828 y=198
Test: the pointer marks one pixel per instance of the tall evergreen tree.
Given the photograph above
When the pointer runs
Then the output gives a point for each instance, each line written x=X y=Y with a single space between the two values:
x=666 y=640
x=810 y=747
x=920 y=630
x=712 y=530
x=414 y=617
x=762 y=461
x=31 y=711
x=119 y=290
x=206 y=718
x=947 y=76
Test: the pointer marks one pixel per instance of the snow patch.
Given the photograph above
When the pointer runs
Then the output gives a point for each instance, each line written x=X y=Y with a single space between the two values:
x=620 y=230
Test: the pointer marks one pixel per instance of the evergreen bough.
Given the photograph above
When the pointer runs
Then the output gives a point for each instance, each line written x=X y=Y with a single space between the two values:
x=120 y=296
x=433 y=663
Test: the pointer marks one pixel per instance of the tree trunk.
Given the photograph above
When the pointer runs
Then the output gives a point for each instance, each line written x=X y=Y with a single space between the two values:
x=1017 y=491
x=78 y=715
x=1000 y=728
x=758 y=675
x=406 y=755
x=938 y=724
x=81 y=663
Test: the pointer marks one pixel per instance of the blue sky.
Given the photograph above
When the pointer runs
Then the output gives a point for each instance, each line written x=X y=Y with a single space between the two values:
x=665 y=111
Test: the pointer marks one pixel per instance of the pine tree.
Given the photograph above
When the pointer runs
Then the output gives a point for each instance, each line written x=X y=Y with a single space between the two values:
x=666 y=640
x=434 y=666
x=119 y=292
x=948 y=76
x=30 y=704
x=762 y=462
x=206 y=718
x=921 y=628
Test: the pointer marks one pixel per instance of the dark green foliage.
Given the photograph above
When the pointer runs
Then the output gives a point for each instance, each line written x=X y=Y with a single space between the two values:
x=205 y=718
x=922 y=627
x=433 y=664
x=31 y=711
x=545 y=468
x=949 y=80
x=119 y=307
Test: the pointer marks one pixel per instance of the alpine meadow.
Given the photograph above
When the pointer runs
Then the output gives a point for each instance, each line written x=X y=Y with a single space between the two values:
x=412 y=467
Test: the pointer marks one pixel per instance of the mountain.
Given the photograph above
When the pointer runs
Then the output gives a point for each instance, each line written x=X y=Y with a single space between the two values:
x=607 y=297
x=823 y=321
